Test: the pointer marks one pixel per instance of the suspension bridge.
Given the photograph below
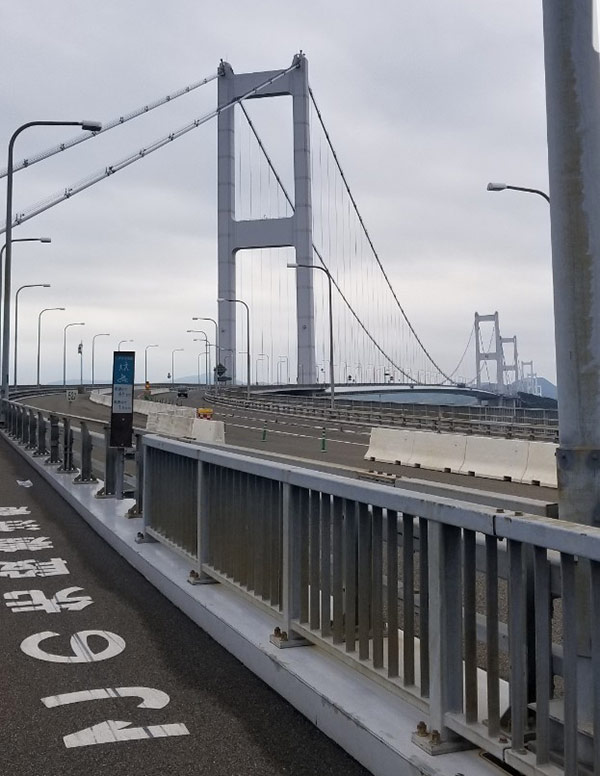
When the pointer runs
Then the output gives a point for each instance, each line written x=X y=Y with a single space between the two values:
x=301 y=211
x=437 y=642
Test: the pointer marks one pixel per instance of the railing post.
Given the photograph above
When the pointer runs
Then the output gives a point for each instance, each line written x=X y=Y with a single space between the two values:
x=41 y=443
x=290 y=572
x=138 y=508
x=21 y=434
x=199 y=577
x=86 y=474
x=67 y=463
x=445 y=638
x=54 y=436
x=110 y=468
x=32 y=436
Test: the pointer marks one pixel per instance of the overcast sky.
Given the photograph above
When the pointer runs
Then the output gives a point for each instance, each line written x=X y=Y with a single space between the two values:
x=425 y=101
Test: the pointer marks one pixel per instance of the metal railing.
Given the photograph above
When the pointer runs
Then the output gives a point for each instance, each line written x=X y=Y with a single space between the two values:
x=472 y=615
x=520 y=423
x=446 y=605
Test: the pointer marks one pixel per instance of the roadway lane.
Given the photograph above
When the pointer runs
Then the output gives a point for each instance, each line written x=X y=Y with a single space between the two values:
x=225 y=721
x=301 y=438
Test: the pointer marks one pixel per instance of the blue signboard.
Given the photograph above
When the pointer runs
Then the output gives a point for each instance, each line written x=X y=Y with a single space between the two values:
x=121 y=418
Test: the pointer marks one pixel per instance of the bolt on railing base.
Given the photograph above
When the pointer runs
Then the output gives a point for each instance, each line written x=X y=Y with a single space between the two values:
x=429 y=741
x=133 y=512
x=281 y=640
x=201 y=578
x=144 y=538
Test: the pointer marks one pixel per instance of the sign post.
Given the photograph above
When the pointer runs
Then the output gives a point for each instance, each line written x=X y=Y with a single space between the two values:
x=121 y=415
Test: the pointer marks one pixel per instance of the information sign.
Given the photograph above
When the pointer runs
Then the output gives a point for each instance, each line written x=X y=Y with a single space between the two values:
x=121 y=417
x=71 y=395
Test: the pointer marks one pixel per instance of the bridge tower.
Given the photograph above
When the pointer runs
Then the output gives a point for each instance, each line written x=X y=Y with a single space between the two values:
x=514 y=367
x=296 y=230
x=496 y=354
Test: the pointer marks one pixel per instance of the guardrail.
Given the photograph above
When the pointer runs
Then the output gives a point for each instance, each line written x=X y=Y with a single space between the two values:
x=519 y=423
x=388 y=581
x=470 y=614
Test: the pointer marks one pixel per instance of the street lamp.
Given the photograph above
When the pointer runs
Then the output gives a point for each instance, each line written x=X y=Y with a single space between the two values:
x=21 y=239
x=261 y=357
x=93 y=352
x=331 y=374
x=206 y=355
x=65 y=349
x=283 y=360
x=27 y=285
x=240 y=301
x=121 y=342
x=504 y=186
x=176 y=350
x=39 y=336
x=217 y=346
x=146 y=361
x=91 y=126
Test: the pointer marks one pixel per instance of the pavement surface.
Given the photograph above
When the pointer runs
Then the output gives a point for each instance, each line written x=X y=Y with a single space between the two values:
x=201 y=711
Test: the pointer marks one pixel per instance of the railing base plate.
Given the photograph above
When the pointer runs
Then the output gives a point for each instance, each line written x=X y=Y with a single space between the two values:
x=429 y=744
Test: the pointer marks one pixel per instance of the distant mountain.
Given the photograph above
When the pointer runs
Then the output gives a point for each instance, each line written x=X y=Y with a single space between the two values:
x=548 y=388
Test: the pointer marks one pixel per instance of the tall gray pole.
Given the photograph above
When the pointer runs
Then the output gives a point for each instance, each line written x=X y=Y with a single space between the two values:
x=217 y=346
x=94 y=355
x=93 y=126
x=39 y=336
x=573 y=109
x=65 y=349
x=330 y=294
x=28 y=285
x=146 y=361
x=573 y=118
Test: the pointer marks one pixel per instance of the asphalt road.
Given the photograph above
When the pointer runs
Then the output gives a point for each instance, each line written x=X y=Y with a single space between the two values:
x=266 y=433
x=227 y=721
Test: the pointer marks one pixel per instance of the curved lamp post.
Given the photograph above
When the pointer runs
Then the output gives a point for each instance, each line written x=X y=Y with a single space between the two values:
x=39 y=336
x=248 y=362
x=175 y=350
x=92 y=126
x=331 y=373
x=27 y=285
x=65 y=349
x=146 y=361
x=94 y=351
x=121 y=342
x=217 y=347
x=505 y=186
x=206 y=355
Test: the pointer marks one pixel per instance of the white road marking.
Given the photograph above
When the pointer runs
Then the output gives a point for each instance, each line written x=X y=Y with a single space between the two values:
x=79 y=644
x=113 y=731
x=150 y=698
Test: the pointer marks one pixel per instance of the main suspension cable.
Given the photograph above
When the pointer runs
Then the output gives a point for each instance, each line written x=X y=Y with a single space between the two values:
x=69 y=192
x=318 y=253
x=368 y=236
x=83 y=136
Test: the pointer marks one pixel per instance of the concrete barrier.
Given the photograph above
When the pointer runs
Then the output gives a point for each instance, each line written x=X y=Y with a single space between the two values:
x=500 y=459
x=445 y=452
x=541 y=464
x=504 y=459
x=390 y=445
x=208 y=431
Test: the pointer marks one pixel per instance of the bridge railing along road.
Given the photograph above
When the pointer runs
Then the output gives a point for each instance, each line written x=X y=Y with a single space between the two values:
x=387 y=581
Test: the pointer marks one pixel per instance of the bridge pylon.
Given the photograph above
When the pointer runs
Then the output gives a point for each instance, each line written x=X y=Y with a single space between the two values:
x=295 y=230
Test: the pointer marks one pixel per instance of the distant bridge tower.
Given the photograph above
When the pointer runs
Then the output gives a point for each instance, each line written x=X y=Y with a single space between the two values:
x=514 y=367
x=293 y=231
x=496 y=355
